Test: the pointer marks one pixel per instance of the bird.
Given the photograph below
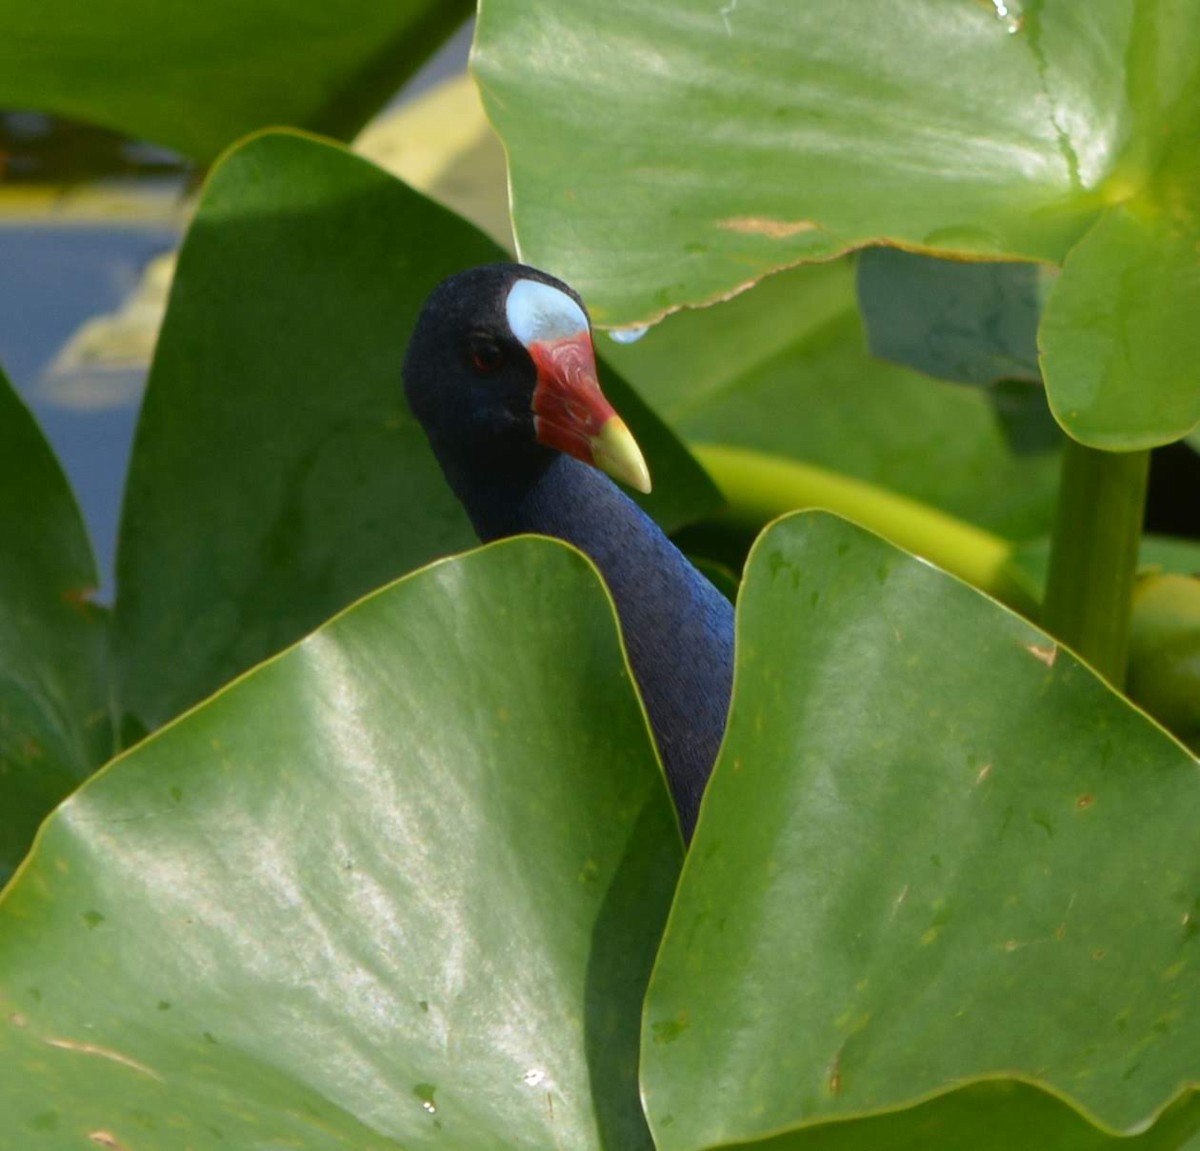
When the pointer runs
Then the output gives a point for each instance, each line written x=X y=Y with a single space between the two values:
x=500 y=371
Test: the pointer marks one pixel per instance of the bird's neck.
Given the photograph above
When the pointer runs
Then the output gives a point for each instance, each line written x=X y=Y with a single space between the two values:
x=552 y=494
x=678 y=628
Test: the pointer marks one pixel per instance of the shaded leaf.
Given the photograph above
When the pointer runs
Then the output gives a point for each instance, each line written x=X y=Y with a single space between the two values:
x=784 y=369
x=936 y=849
x=973 y=323
x=1164 y=652
x=198 y=78
x=1030 y=561
x=54 y=726
x=400 y=887
x=277 y=474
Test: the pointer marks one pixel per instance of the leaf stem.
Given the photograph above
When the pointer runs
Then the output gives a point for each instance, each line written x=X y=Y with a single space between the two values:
x=1094 y=554
x=759 y=487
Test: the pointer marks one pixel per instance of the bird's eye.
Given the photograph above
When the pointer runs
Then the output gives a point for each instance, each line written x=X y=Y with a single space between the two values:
x=487 y=357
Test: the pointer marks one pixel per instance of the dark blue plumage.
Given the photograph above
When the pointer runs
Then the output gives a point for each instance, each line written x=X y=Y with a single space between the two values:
x=472 y=383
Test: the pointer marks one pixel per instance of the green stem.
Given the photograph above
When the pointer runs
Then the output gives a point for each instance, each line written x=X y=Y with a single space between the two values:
x=760 y=487
x=1094 y=552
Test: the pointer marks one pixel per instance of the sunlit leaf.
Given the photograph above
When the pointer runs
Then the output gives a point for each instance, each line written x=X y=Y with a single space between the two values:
x=938 y=854
x=400 y=887
x=729 y=142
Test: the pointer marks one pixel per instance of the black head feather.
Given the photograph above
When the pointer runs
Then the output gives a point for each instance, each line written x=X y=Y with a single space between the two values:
x=467 y=378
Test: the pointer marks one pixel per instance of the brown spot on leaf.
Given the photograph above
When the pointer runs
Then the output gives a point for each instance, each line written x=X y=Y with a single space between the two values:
x=1047 y=655
x=984 y=772
x=835 y=1072
x=107 y=1139
x=103 y=1053
x=765 y=226
x=1084 y=802
x=80 y=598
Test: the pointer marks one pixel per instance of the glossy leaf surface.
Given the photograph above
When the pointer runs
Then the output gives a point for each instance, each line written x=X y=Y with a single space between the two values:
x=277 y=474
x=840 y=132
x=54 y=726
x=197 y=78
x=937 y=850
x=729 y=142
x=784 y=369
x=400 y=887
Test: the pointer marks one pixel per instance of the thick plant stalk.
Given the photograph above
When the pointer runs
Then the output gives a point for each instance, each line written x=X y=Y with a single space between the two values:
x=1094 y=553
x=758 y=487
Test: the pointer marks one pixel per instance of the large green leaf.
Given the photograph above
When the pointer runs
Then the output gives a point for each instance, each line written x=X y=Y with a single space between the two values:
x=54 y=726
x=937 y=851
x=728 y=142
x=277 y=474
x=784 y=369
x=198 y=77
x=400 y=887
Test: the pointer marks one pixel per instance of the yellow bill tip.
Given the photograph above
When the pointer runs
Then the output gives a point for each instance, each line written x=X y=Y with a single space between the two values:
x=615 y=452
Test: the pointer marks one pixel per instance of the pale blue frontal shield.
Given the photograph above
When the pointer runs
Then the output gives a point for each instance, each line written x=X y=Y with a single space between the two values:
x=538 y=312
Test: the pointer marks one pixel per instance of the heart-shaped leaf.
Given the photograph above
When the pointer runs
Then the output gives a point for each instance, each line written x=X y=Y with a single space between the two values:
x=399 y=887
x=938 y=855
x=277 y=475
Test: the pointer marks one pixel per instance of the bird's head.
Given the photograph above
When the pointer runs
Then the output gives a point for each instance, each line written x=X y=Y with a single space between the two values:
x=501 y=366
